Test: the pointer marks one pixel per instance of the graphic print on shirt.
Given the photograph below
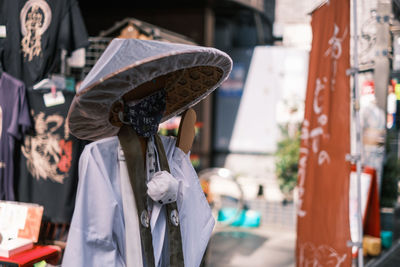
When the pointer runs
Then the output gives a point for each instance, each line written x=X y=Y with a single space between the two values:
x=65 y=155
x=48 y=156
x=35 y=18
x=2 y=164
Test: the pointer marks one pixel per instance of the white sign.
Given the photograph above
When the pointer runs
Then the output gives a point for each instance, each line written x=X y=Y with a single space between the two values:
x=275 y=74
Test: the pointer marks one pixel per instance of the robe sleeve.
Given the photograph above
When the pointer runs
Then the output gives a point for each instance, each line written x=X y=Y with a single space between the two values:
x=196 y=220
x=96 y=234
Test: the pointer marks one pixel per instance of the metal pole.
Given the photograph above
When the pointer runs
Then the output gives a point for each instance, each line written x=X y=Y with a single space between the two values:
x=356 y=114
x=381 y=59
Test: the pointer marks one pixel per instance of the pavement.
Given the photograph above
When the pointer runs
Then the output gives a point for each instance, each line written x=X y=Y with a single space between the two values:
x=264 y=246
x=271 y=244
x=389 y=258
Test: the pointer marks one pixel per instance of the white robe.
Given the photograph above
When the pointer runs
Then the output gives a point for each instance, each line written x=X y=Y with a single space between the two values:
x=97 y=233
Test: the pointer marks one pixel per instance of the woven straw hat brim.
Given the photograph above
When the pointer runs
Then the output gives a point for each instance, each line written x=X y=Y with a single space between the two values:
x=193 y=73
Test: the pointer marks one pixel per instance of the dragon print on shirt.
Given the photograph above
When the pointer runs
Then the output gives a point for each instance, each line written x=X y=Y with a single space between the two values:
x=48 y=155
x=35 y=18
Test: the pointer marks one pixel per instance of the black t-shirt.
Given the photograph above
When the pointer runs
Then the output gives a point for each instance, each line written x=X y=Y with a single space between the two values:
x=37 y=30
x=48 y=173
x=14 y=121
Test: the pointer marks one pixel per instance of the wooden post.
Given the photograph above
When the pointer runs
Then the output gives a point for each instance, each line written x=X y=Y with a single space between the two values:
x=206 y=104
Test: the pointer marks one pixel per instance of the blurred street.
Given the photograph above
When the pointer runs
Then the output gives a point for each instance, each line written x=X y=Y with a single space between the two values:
x=269 y=245
x=266 y=246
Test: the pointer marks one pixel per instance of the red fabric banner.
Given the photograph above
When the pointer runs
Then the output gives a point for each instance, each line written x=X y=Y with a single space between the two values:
x=323 y=179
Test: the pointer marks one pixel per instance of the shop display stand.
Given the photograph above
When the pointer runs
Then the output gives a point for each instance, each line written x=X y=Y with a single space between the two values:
x=51 y=254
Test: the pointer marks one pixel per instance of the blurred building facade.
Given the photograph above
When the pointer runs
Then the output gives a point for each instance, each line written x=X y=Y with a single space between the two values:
x=241 y=120
x=223 y=24
x=273 y=36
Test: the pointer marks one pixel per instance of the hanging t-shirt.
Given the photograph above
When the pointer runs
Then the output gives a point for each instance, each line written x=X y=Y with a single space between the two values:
x=14 y=121
x=36 y=32
x=48 y=172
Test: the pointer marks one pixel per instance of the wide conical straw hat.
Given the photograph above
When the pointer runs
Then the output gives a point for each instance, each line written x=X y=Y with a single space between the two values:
x=189 y=73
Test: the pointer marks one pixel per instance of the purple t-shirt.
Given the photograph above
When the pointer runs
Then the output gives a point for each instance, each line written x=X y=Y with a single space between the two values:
x=14 y=121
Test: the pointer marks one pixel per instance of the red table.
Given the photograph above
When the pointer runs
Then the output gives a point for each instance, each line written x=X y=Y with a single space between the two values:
x=51 y=254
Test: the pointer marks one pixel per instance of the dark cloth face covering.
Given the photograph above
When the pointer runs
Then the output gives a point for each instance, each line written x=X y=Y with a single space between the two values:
x=145 y=116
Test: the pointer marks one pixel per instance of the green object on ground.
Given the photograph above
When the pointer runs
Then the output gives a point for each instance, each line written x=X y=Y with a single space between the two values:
x=386 y=239
x=245 y=218
x=40 y=264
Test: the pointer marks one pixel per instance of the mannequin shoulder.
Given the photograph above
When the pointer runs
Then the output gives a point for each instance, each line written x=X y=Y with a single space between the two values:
x=103 y=145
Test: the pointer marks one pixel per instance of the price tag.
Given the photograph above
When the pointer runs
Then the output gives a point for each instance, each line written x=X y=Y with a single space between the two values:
x=53 y=99
x=3 y=32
